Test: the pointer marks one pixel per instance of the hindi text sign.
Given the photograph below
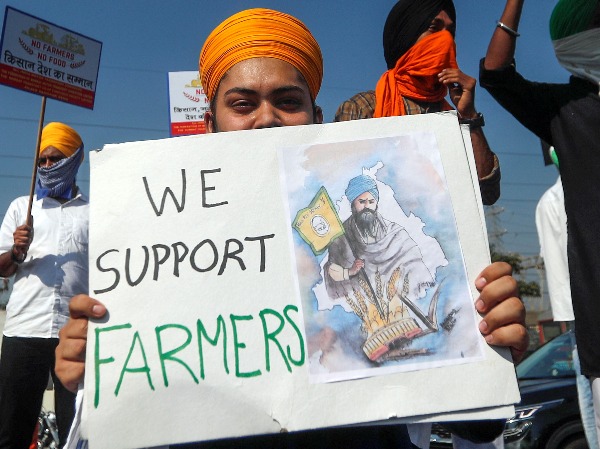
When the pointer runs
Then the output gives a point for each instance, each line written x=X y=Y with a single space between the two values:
x=187 y=104
x=48 y=60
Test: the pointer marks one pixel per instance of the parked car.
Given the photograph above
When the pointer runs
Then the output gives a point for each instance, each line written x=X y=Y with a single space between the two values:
x=548 y=415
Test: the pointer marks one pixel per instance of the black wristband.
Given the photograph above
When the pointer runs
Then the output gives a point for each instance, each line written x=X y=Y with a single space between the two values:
x=476 y=122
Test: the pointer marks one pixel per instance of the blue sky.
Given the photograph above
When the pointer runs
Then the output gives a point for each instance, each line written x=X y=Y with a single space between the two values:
x=143 y=40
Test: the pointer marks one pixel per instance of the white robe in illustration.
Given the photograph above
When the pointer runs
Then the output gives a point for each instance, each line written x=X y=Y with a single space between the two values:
x=390 y=251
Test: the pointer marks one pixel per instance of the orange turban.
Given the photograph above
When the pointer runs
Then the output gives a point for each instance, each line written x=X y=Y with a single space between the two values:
x=62 y=137
x=260 y=33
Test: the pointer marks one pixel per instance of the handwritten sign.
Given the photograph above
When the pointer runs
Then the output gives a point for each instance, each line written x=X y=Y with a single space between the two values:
x=46 y=59
x=191 y=249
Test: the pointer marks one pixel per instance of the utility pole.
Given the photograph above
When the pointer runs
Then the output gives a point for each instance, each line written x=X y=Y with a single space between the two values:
x=495 y=229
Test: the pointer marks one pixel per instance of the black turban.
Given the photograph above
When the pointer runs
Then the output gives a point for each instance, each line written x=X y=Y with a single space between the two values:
x=407 y=20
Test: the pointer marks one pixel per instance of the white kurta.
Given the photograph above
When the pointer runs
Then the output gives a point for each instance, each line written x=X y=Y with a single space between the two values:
x=55 y=269
x=551 y=223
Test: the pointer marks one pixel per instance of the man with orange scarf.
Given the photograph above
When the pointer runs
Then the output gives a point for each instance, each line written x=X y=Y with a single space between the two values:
x=419 y=49
x=50 y=266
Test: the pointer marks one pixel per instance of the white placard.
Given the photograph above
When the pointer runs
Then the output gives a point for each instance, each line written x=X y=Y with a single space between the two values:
x=193 y=252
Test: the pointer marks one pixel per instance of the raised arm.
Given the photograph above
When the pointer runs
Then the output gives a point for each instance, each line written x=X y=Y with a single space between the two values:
x=461 y=88
x=501 y=50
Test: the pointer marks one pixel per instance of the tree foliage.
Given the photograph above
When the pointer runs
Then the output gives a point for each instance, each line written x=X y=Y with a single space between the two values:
x=515 y=260
x=529 y=289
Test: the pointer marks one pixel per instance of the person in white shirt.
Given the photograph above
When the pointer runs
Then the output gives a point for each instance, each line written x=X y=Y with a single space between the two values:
x=47 y=253
x=551 y=224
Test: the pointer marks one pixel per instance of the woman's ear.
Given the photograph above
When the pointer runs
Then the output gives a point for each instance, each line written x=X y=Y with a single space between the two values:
x=209 y=122
x=318 y=119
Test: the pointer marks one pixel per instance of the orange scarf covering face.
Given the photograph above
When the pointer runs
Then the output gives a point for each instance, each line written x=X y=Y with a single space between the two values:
x=415 y=75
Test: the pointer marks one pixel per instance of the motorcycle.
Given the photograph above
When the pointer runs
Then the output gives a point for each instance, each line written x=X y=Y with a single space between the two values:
x=47 y=434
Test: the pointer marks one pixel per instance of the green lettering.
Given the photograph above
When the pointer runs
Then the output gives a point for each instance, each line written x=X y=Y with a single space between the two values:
x=237 y=345
x=300 y=361
x=170 y=354
x=143 y=369
x=98 y=361
x=272 y=336
x=213 y=341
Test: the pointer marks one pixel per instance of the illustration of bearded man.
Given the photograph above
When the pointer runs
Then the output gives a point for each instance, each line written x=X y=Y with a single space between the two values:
x=377 y=267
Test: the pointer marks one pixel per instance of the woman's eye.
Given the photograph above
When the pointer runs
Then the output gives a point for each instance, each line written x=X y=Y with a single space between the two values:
x=290 y=102
x=241 y=104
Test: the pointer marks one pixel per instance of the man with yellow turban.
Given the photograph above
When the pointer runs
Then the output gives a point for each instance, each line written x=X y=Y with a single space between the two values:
x=261 y=68
x=420 y=53
x=50 y=266
x=566 y=116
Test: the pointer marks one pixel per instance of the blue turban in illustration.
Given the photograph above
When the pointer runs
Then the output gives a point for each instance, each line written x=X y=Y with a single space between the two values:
x=359 y=185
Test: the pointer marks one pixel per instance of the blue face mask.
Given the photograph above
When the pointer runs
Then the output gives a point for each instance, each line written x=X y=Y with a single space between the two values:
x=58 y=180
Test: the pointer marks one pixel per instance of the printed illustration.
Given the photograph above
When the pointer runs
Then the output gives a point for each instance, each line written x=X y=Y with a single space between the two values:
x=380 y=272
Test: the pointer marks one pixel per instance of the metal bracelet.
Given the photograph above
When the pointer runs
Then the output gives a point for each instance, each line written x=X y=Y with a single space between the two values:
x=508 y=29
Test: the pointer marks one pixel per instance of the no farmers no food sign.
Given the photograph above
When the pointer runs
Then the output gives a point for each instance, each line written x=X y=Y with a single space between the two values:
x=48 y=60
